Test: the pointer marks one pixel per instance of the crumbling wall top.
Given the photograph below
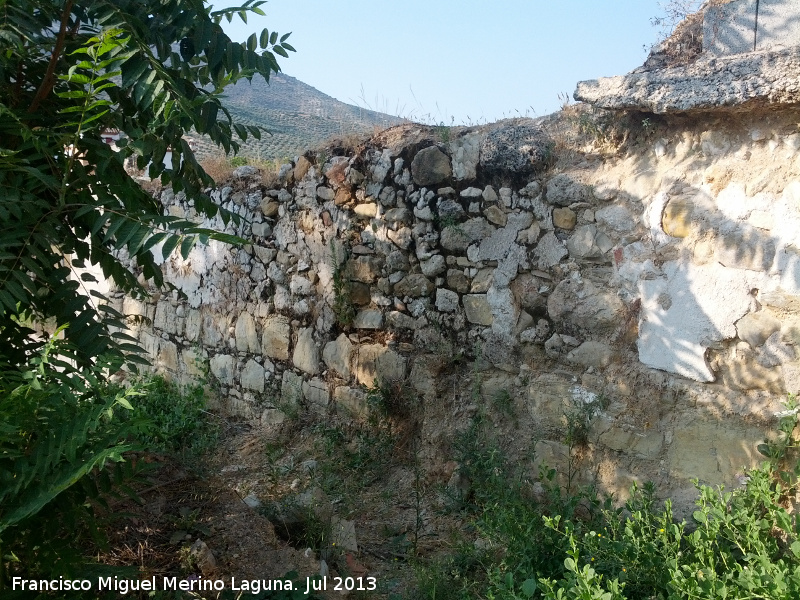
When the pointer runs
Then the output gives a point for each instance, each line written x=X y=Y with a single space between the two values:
x=750 y=56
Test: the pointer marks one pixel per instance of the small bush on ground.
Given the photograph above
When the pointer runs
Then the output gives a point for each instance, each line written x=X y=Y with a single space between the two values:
x=66 y=449
x=175 y=418
x=741 y=544
x=62 y=454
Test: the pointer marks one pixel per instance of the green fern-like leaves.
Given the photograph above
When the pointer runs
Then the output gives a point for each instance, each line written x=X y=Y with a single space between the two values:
x=56 y=429
x=70 y=214
x=66 y=201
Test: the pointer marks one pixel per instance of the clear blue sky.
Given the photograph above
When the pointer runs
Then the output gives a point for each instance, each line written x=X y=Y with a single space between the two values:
x=474 y=60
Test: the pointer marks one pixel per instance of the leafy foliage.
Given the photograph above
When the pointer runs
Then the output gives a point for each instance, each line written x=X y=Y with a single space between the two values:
x=740 y=544
x=153 y=70
x=61 y=447
x=175 y=418
x=69 y=70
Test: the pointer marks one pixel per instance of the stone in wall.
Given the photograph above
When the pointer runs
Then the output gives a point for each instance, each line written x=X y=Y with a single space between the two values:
x=316 y=393
x=517 y=151
x=756 y=327
x=166 y=318
x=465 y=151
x=528 y=290
x=192 y=362
x=457 y=239
x=364 y=269
x=563 y=190
x=246 y=334
x=414 y=285
x=252 y=376
x=214 y=329
x=368 y=319
x=744 y=371
x=223 y=366
x=275 y=338
x=591 y=354
x=586 y=307
x=564 y=218
x=616 y=219
x=430 y=166
x=550 y=251
x=337 y=354
x=588 y=242
x=478 y=309
x=193 y=325
x=504 y=309
x=167 y=359
x=352 y=400
x=376 y=363
x=499 y=244
x=745 y=249
x=433 y=266
x=446 y=300
x=306 y=352
x=677 y=217
x=291 y=390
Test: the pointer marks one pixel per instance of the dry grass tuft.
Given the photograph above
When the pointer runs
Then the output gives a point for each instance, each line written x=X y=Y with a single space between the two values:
x=578 y=130
x=221 y=168
x=682 y=25
x=218 y=167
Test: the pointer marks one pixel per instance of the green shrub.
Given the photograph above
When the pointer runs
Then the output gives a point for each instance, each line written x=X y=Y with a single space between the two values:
x=741 y=544
x=578 y=583
x=175 y=418
x=744 y=546
x=62 y=453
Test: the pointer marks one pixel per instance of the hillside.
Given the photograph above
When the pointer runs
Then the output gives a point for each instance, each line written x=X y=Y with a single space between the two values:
x=297 y=116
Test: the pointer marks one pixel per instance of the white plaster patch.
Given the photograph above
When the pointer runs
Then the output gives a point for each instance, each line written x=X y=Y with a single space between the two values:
x=735 y=204
x=786 y=234
x=689 y=309
x=504 y=310
x=652 y=218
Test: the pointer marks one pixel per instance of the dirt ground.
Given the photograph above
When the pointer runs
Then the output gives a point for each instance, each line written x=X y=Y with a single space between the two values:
x=211 y=521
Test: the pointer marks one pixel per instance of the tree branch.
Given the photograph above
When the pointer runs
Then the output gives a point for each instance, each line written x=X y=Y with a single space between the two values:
x=49 y=81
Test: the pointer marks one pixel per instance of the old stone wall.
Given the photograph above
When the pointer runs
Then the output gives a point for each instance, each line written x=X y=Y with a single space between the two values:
x=657 y=289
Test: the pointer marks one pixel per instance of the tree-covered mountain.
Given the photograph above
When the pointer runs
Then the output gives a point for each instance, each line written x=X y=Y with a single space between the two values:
x=297 y=116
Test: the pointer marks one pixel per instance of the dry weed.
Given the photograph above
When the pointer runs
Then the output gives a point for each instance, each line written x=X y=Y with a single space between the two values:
x=681 y=34
x=219 y=168
x=578 y=129
x=348 y=143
